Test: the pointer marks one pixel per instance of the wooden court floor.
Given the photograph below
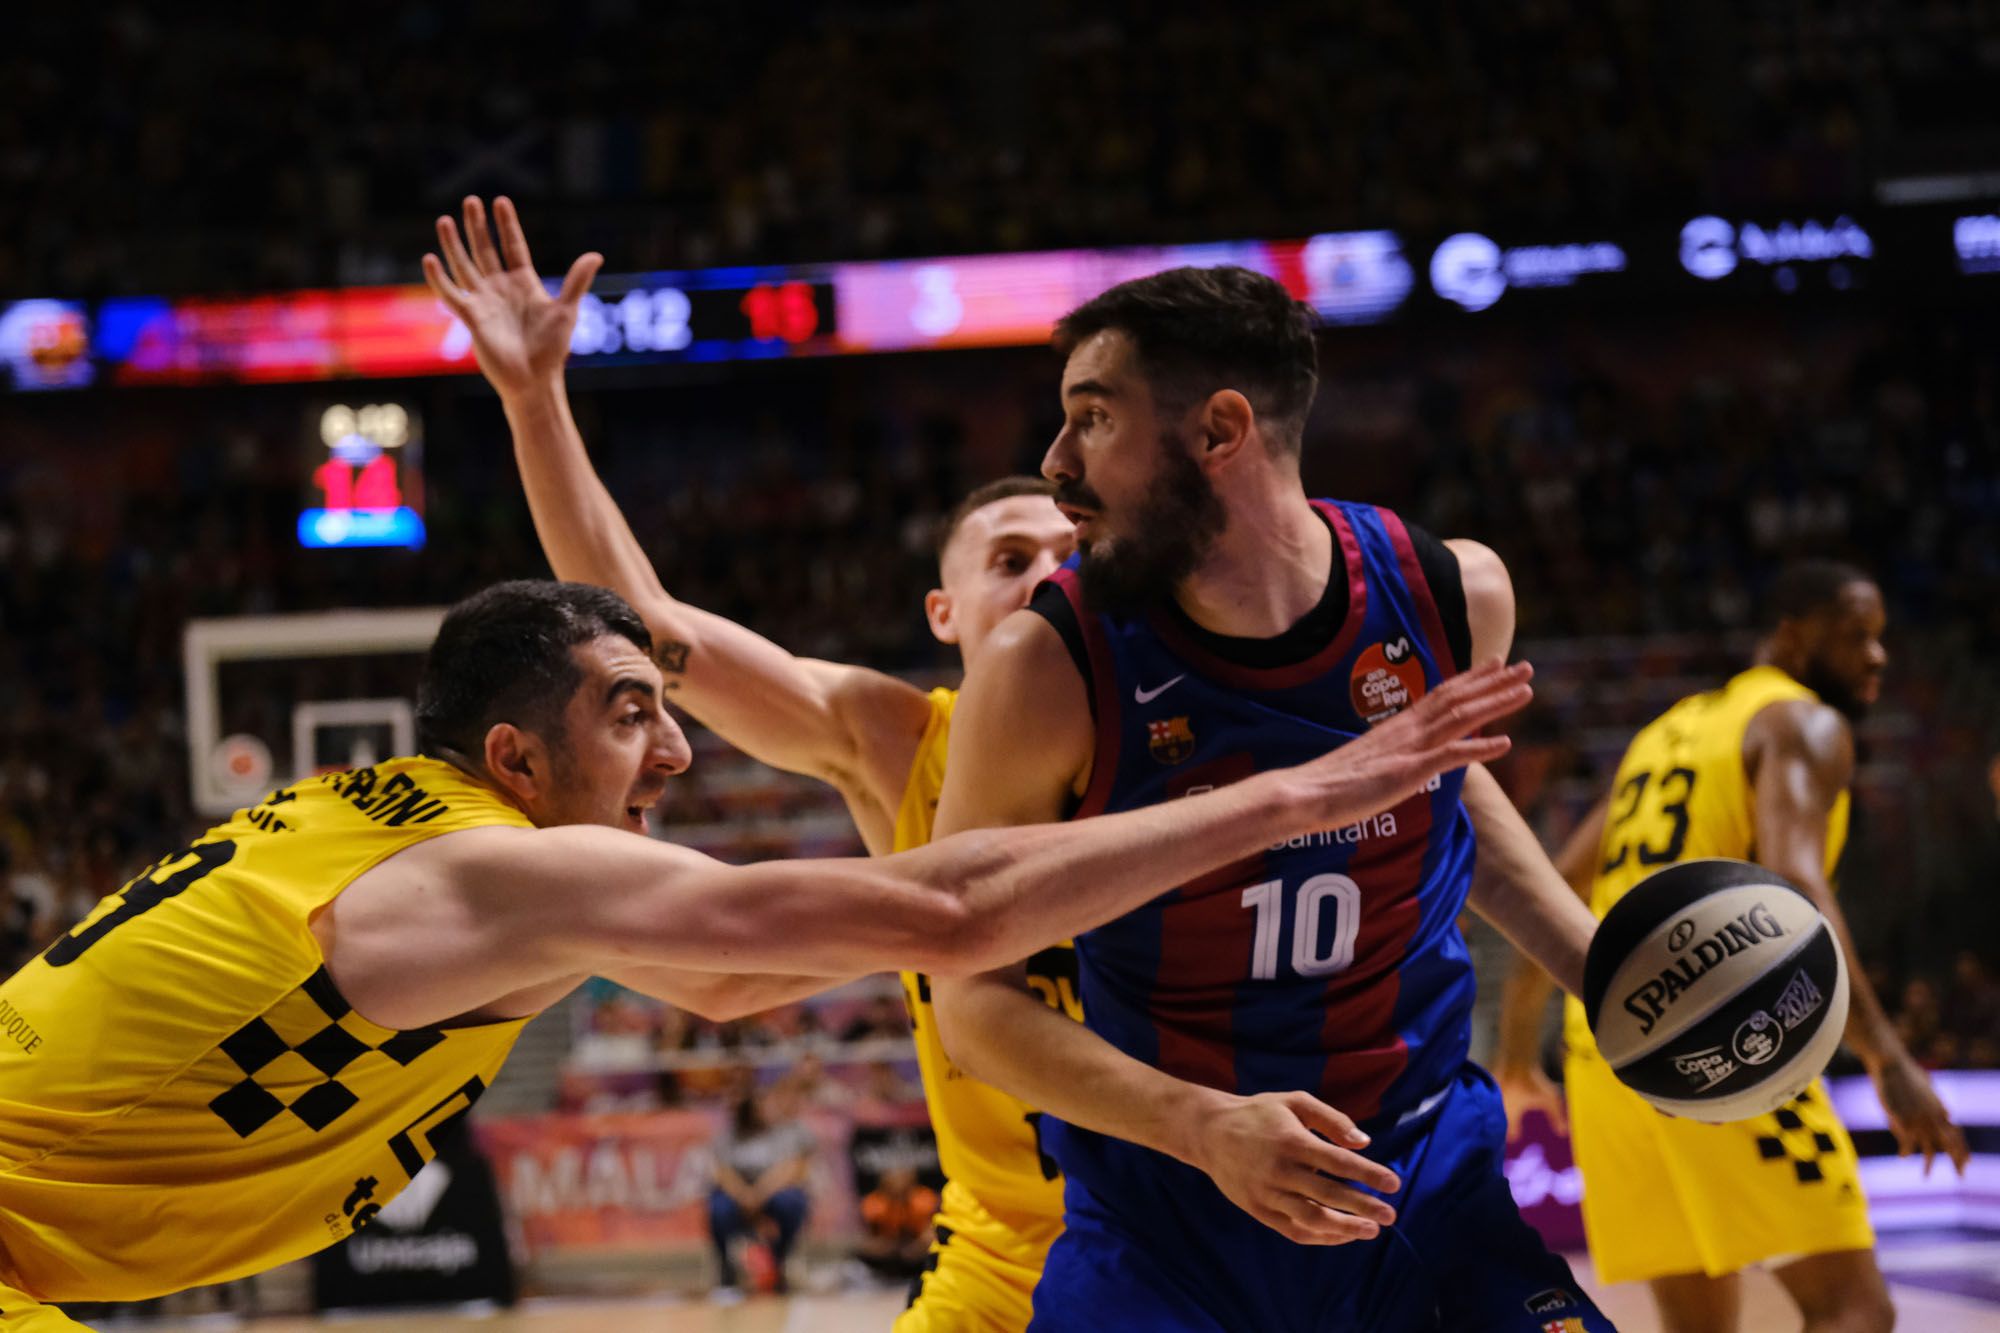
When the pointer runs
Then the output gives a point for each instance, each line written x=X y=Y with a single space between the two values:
x=1767 y=1311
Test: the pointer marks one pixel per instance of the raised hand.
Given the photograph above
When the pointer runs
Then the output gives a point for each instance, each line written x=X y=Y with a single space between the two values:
x=519 y=332
x=1282 y=1157
x=1394 y=761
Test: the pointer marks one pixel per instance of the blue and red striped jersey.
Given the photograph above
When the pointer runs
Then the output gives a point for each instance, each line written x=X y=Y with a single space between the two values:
x=1331 y=963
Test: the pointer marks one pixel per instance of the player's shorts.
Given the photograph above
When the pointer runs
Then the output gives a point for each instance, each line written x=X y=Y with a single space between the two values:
x=1162 y=1249
x=981 y=1273
x=1665 y=1196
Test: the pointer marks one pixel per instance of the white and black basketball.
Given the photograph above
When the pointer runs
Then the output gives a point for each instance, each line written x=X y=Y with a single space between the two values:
x=1716 y=990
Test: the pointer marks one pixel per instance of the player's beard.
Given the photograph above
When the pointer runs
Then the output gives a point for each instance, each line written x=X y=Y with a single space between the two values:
x=1834 y=692
x=1168 y=539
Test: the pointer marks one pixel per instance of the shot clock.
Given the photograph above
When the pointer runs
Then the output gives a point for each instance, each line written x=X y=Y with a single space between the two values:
x=364 y=480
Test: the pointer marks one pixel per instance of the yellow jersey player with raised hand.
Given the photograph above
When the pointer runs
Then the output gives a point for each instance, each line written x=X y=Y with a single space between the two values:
x=1757 y=770
x=878 y=740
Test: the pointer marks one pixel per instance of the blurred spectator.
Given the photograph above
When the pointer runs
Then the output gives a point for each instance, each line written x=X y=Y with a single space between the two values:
x=808 y=1087
x=896 y=1220
x=1918 y=1021
x=884 y=1017
x=884 y=1085
x=1963 y=1030
x=759 y=1197
x=21 y=916
x=1972 y=1003
x=1944 y=1052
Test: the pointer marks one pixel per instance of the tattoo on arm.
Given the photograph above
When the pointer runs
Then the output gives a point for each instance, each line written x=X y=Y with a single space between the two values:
x=672 y=655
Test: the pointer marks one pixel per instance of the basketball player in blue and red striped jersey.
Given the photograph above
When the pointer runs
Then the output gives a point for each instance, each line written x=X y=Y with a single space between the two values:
x=1217 y=623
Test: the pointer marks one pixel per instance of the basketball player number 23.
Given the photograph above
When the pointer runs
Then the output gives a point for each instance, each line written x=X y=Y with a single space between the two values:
x=1317 y=897
x=1672 y=795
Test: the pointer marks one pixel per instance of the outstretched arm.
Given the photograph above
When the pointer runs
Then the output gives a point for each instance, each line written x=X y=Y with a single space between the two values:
x=854 y=728
x=1800 y=756
x=455 y=924
x=980 y=898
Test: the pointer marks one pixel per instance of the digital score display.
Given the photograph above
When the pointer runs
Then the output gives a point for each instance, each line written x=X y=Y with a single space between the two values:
x=365 y=483
x=725 y=315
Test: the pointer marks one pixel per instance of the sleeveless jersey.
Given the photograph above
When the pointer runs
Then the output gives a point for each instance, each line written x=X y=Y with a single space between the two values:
x=1681 y=794
x=1331 y=963
x=185 y=1097
x=988 y=1141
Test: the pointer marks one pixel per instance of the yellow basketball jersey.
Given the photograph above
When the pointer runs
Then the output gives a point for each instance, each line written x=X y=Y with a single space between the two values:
x=988 y=1141
x=1681 y=794
x=184 y=1095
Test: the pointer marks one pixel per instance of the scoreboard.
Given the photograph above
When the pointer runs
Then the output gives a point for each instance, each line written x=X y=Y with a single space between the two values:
x=722 y=315
x=1350 y=278
x=389 y=332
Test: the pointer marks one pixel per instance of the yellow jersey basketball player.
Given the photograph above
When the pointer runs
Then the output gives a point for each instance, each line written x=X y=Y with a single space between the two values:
x=1757 y=770
x=249 y=1049
x=876 y=739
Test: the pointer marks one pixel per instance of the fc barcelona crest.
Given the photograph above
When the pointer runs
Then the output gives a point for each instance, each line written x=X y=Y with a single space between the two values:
x=1171 y=740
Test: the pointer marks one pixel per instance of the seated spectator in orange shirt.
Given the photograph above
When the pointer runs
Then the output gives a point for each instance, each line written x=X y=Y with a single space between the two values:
x=896 y=1218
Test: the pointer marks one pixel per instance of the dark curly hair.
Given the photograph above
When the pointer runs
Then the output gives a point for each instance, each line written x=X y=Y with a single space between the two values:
x=1198 y=330
x=503 y=655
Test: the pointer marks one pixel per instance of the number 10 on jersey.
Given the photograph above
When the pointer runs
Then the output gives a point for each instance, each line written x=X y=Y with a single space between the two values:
x=1316 y=898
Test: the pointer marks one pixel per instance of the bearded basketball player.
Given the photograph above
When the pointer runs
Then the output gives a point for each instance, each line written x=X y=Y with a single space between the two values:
x=1216 y=623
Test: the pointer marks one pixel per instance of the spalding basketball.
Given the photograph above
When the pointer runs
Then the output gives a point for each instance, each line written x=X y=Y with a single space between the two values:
x=1716 y=990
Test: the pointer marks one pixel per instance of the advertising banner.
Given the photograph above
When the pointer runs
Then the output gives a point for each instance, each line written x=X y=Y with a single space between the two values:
x=628 y=1181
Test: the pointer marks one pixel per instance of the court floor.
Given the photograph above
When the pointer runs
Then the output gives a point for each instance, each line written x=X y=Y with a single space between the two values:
x=1948 y=1284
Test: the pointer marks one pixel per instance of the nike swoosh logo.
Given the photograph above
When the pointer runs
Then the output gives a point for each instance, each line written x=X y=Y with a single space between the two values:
x=1145 y=696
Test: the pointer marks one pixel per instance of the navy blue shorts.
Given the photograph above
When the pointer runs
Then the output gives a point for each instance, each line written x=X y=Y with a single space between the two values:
x=1155 y=1246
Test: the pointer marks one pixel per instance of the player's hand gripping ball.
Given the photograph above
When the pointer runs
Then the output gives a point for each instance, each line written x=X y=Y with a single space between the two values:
x=1716 y=990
